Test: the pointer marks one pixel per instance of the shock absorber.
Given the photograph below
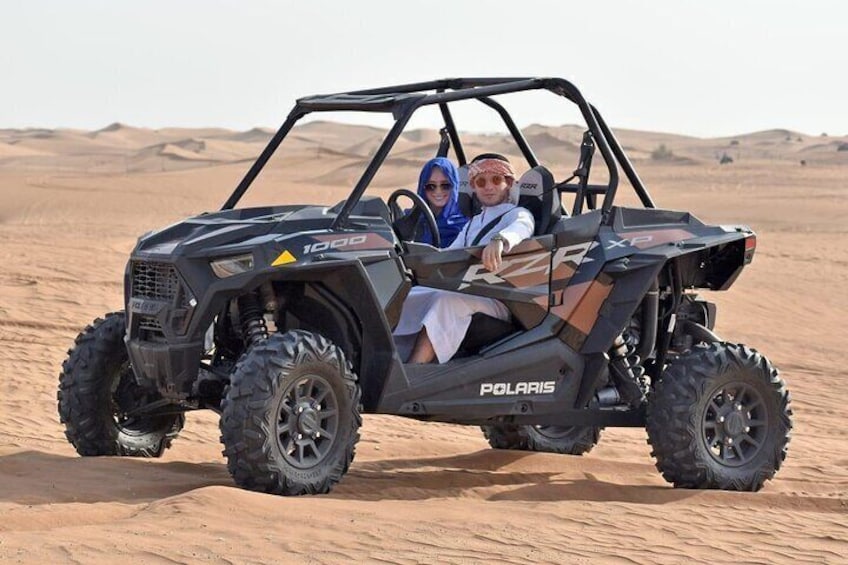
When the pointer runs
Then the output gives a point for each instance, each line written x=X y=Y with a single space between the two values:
x=251 y=316
x=635 y=362
x=627 y=376
x=630 y=341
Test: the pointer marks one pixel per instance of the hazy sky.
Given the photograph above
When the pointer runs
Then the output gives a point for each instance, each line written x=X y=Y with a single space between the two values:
x=706 y=68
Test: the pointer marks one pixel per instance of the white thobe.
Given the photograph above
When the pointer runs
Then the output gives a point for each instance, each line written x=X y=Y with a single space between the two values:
x=447 y=314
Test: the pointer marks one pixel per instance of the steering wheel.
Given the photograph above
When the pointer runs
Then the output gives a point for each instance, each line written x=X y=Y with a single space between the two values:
x=397 y=215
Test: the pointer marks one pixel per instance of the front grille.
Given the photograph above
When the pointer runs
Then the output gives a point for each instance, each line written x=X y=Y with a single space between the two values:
x=149 y=323
x=157 y=281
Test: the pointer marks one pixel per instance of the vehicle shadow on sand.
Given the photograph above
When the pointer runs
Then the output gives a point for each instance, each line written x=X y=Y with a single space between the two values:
x=496 y=475
x=36 y=477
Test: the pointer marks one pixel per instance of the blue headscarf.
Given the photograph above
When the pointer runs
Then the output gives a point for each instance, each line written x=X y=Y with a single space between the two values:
x=450 y=220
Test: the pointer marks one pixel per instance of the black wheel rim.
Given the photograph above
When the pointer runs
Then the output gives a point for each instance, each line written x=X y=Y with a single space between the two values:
x=307 y=421
x=735 y=424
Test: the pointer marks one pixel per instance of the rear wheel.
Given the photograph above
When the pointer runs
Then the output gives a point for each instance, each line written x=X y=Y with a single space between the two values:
x=569 y=440
x=97 y=389
x=719 y=418
x=290 y=417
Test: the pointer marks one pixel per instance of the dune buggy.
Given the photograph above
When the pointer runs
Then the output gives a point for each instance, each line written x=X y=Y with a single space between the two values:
x=280 y=318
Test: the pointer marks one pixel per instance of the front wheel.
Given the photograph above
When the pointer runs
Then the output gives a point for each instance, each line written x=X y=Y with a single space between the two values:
x=97 y=389
x=569 y=440
x=290 y=417
x=720 y=417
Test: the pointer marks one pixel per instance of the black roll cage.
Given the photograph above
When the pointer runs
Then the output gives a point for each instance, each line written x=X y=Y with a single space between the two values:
x=403 y=100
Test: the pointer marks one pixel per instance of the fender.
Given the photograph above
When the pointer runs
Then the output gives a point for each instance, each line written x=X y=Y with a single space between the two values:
x=711 y=261
x=352 y=315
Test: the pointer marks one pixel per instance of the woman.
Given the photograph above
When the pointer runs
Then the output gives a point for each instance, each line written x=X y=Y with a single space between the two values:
x=438 y=319
x=438 y=186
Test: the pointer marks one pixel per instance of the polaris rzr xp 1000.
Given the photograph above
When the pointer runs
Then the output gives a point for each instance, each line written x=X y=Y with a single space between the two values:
x=280 y=319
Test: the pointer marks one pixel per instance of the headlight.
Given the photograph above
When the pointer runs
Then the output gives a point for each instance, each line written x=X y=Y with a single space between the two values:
x=230 y=266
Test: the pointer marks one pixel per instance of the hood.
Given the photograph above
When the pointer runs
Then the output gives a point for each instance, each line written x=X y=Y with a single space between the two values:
x=213 y=233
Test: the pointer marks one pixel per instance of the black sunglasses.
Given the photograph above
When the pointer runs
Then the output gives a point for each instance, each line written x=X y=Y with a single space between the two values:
x=431 y=186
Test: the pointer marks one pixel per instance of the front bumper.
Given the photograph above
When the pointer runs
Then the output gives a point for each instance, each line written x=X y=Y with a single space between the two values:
x=172 y=369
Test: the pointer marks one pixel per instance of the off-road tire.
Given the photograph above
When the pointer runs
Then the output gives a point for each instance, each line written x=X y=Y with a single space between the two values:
x=283 y=392
x=571 y=440
x=97 y=384
x=714 y=393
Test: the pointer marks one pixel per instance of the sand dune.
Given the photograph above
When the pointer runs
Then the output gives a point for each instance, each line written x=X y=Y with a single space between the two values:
x=139 y=149
x=72 y=204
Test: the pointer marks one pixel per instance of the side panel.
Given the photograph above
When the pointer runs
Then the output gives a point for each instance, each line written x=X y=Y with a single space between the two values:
x=540 y=378
x=577 y=289
x=390 y=287
x=522 y=283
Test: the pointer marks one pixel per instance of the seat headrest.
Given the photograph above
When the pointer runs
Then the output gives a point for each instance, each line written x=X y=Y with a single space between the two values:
x=468 y=204
x=537 y=194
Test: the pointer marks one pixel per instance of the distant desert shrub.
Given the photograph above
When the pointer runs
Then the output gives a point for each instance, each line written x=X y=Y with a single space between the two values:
x=725 y=159
x=734 y=142
x=842 y=146
x=662 y=153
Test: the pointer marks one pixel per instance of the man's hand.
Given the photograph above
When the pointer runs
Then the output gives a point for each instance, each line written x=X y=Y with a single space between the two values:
x=492 y=255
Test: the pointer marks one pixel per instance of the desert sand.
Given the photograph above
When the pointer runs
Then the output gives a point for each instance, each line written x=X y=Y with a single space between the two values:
x=72 y=204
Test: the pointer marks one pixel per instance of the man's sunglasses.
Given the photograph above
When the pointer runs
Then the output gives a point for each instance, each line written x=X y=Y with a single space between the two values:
x=480 y=181
x=431 y=186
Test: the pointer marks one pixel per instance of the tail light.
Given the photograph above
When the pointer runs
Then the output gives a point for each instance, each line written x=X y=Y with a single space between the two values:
x=750 y=247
